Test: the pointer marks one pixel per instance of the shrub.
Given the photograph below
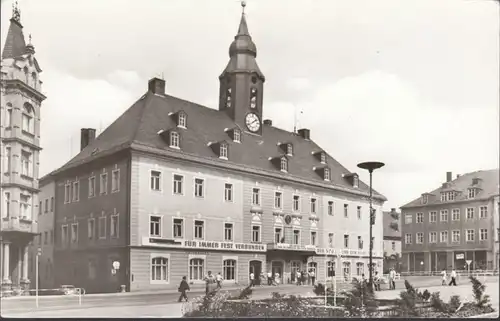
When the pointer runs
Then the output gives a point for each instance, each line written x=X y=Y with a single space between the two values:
x=437 y=303
x=408 y=300
x=360 y=300
x=478 y=291
x=319 y=289
x=454 y=303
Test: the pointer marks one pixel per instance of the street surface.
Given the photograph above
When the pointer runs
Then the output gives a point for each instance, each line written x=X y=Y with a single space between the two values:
x=164 y=304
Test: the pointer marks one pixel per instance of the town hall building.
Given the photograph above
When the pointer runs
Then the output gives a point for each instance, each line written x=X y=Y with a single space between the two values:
x=173 y=189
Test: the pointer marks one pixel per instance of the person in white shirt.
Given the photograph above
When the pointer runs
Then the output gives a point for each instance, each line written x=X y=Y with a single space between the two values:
x=392 y=279
x=443 y=275
x=219 y=279
x=453 y=276
x=252 y=279
x=277 y=278
x=298 y=276
x=313 y=277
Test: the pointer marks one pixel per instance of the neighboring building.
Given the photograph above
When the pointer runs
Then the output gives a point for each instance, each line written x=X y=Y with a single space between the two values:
x=453 y=224
x=392 y=240
x=44 y=242
x=21 y=100
x=173 y=189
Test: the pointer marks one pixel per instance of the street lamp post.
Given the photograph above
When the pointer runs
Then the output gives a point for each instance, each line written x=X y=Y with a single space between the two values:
x=371 y=166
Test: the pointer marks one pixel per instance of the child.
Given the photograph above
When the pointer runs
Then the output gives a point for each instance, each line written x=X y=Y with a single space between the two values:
x=183 y=287
x=443 y=280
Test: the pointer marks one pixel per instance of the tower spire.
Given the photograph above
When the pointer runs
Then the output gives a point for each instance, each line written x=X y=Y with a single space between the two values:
x=16 y=12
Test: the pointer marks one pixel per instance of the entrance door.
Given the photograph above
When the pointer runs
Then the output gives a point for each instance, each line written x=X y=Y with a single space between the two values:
x=277 y=267
x=295 y=266
x=256 y=269
x=312 y=266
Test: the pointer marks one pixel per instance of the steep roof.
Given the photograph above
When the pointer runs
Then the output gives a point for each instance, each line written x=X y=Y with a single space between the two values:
x=388 y=220
x=152 y=113
x=15 y=45
x=488 y=186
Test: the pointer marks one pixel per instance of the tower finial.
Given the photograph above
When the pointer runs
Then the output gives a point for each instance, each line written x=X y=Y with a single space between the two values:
x=29 y=38
x=243 y=5
x=16 y=13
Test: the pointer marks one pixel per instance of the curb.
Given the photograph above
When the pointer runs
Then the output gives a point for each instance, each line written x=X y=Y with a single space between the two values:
x=492 y=315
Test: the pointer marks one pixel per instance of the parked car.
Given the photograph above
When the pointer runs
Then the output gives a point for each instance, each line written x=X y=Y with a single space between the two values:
x=68 y=290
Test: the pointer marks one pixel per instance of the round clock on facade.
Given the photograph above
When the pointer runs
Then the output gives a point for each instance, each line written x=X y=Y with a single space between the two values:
x=288 y=219
x=253 y=122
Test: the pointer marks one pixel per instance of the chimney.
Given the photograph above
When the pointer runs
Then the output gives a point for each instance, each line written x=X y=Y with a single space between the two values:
x=393 y=209
x=157 y=86
x=304 y=133
x=268 y=122
x=448 y=176
x=86 y=137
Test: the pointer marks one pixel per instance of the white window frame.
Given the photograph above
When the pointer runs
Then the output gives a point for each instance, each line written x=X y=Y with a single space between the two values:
x=326 y=174
x=224 y=151
x=8 y=115
x=65 y=239
x=117 y=223
x=67 y=192
x=203 y=258
x=443 y=237
x=360 y=242
x=102 y=219
x=453 y=234
x=467 y=235
x=432 y=237
x=419 y=218
x=346 y=210
x=433 y=216
x=224 y=231
x=425 y=199
x=280 y=234
x=75 y=239
x=467 y=213
x=278 y=200
x=444 y=213
x=228 y=192
x=224 y=260
x=289 y=149
x=91 y=234
x=322 y=158
x=8 y=159
x=157 y=180
x=236 y=136
x=296 y=203
x=481 y=238
x=103 y=183
x=203 y=230
x=331 y=208
x=182 y=120
x=348 y=239
x=174 y=140
x=183 y=227
x=293 y=236
x=196 y=190
x=408 y=238
x=408 y=218
x=115 y=189
x=481 y=208
x=256 y=201
x=167 y=272
x=358 y=212
x=91 y=187
x=176 y=184
x=419 y=238
x=332 y=243
x=259 y=234
x=471 y=193
x=75 y=195
x=160 y=225
x=455 y=214
x=313 y=240
x=314 y=205
x=284 y=165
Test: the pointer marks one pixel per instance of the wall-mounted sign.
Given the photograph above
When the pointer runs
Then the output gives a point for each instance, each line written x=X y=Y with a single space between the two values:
x=116 y=265
x=294 y=247
x=205 y=245
x=460 y=256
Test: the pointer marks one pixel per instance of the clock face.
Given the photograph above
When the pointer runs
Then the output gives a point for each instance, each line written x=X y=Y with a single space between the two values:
x=253 y=122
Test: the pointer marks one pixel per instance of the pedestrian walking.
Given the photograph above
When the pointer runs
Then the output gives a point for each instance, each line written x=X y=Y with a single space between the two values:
x=183 y=287
x=209 y=282
x=453 y=276
x=376 y=281
x=269 y=278
x=298 y=276
x=252 y=279
x=392 y=279
x=262 y=278
x=313 y=277
x=277 y=278
x=443 y=277
x=218 y=279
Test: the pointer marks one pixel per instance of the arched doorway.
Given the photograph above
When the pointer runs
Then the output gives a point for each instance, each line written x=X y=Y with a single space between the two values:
x=255 y=268
x=277 y=267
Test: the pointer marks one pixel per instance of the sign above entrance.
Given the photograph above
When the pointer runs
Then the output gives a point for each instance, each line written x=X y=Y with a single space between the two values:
x=460 y=256
x=204 y=245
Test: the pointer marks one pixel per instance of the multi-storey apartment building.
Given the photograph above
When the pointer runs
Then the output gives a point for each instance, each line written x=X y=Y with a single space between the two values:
x=174 y=189
x=43 y=244
x=392 y=240
x=453 y=224
x=21 y=98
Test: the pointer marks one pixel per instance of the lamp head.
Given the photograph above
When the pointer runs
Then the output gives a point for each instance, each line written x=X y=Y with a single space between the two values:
x=370 y=166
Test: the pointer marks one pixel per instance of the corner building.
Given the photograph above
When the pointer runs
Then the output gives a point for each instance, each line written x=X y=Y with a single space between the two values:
x=454 y=224
x=174 y=189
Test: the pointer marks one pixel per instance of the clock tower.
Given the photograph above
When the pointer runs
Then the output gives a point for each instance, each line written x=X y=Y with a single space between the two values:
x=242 y=82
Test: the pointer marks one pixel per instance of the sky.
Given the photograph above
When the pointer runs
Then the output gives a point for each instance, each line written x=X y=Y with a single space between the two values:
x=413 y=83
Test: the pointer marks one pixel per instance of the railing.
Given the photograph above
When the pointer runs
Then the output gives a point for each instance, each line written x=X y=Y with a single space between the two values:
x=459 y=273
x=44 y=293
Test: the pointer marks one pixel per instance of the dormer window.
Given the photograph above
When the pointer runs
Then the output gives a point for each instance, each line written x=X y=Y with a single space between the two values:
x=471 y=193
x=475 y=181
x=181 y=119
x=322 y=158
x=352 y=178
x=289 y=149
x=253 y=97
x=174 y=140
x=223 y=151
x=425 y=198
x=327 y=174
x=237 y=136
x=355 y=181
x=284 y=164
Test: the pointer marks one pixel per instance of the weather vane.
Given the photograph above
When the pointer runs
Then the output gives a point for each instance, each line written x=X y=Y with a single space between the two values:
x=30 y=38
x=243 y=5
x=16 y=13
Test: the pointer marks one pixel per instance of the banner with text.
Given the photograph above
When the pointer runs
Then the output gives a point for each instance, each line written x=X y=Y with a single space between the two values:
x=204 y=245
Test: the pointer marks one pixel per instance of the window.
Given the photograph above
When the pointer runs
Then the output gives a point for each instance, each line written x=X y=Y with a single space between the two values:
x=91 y=228
x=296 y=236
x=64 y=234
x=296 y=203
x=444 y=197
x=443 y=237
x=330 y=240
x=470 y=213
x=346 y=210
x=182 y=120
x=433 y=217
x=76 y=191
x=420 y=238
x=322 y=157
x=313 y=237
x=196 y=269
x=360 y=269
x=199 y=232
x=223 y=151
x=229 y=270
x=7 y=205
x=313 y=205
x=178 y=182
x=346 y=241
x=420 y=217
x=469 y=235
x=327 y=174
x=178 y=227
x=91 y=186
x=159 y=269
x=444 y=215
x=67 y=192
x=74 y=233
x=27 y=118
x=393 y=246
x=425 y=199
x=330 y=266
x=155 y=226
x=284 y=165
x=277 y=235
x=237 y=136
x=155 y=180
x=25 y=206
x=407 y=238
x=471 y=193
x=46 y=237
x=253 y=98
x=289 y=149
x=255 y=233
x=228 y=232
x=115 y=181
x=8 y=115
x=228 y=192
x=455 y=214
x=174 y=140
x=346 y=268
x=408 y=219
x=277 y=199
x=40 y=208
x=451 y=196
x=52 y=236
x=483 y=212
x=199 y=188
x=104 y=184
x=455 y=236
x=26 y=163
x=359 y=212
x=8 y=157
x=102 y=227
x=432 y=237
x=360 y=243
x=114 y=227
x=355 y=181
x=483 y=234
x=330 y=208
x=256 y=196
